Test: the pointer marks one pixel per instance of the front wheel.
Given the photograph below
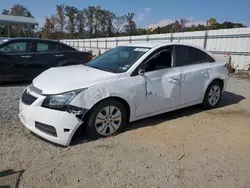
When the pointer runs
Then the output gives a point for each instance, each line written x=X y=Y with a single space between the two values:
x=106 y=119
x=213 y=95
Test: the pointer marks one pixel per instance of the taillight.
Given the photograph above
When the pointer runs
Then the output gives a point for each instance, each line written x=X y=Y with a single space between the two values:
x=90 y=57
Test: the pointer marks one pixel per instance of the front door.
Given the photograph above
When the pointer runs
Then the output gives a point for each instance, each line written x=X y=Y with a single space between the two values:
x=158 y=88
x=195 y=73
x=43 y=56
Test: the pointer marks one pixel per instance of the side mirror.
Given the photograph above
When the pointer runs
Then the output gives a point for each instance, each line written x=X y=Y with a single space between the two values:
x=141 y=71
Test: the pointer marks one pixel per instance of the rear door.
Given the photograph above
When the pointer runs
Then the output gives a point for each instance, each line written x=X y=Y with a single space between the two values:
x=63 y=54
x=43 y=56
x=14 y=60
x=66 y=55
x=195 y=73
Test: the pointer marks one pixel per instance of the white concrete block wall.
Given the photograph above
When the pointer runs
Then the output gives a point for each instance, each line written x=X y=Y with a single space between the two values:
x=194 y=41
x=159 y=37
x=93 y=43
x=101 y=43
x=229 y=44
x=123 y=40
x=221 y=45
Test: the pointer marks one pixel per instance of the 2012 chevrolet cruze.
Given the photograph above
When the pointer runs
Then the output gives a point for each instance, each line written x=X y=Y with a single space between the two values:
x=125 y=84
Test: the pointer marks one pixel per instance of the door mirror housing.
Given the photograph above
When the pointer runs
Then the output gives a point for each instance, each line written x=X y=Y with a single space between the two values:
x=141 y=71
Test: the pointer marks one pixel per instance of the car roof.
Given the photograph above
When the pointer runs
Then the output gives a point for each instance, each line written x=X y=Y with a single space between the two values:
x=17 y=39
x=158 y=44
x=152 y=44
x=146 y=44
x=30 y=38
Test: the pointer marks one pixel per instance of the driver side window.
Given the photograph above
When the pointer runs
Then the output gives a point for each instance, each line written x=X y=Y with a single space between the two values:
x=15 y=47
x=159 y=60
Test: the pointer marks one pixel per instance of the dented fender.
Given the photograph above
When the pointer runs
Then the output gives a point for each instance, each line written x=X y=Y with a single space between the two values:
x=91 y=96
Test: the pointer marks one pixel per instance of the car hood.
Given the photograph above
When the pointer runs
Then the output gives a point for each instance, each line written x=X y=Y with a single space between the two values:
x=68 y=78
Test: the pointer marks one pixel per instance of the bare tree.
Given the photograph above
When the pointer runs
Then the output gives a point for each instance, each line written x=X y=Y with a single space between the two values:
x=97 y=19
x=53 y=20
x=61 y=17
x=71 y=13
x=89 y=15
x=109 y=20
x=80 y=22
x=118 y=23
x=183 y=23
x=48 y=28
x=131 y=25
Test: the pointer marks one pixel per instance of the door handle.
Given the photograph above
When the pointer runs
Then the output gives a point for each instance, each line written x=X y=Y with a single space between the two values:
x=174 y=80
x=59 y=55
x=26 y=56
x=205 y=71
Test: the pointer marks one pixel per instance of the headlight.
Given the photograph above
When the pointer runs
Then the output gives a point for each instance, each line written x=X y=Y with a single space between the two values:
x=62 y=102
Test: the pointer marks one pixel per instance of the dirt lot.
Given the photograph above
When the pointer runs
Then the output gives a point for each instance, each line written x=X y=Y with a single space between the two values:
x=185 y=148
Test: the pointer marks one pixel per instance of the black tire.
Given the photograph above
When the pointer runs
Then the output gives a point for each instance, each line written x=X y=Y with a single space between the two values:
x=206 y=104
x=89 y=124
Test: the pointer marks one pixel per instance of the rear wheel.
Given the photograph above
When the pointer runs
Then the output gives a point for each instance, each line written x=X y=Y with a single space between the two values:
x=106 y=119
x=213 y=95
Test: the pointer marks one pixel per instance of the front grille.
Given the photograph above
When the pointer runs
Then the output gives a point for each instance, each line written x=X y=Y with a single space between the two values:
x=46 y=129
x=27 y=98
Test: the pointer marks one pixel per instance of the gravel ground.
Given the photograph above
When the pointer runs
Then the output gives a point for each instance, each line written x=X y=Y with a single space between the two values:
x=185 y=148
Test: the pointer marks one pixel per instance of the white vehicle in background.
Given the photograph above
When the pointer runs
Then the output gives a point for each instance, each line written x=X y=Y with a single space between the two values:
x=125 y=84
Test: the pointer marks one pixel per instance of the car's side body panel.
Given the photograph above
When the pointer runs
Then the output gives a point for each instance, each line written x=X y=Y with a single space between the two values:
x=147 y=93
x=155 y=93
x=39 y=55
x=121 y=88
x=217 y=71
x=193 y=80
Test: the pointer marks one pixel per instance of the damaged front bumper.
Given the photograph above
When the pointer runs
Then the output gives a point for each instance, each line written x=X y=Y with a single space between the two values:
x=53 y=125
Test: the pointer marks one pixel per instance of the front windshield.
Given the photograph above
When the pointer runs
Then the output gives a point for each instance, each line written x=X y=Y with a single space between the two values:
x=119 y=59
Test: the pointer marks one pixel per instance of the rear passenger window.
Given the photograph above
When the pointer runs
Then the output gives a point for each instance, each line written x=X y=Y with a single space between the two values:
x=42 y=47
x=186 y=55
x=202 y=57
x=45 y=47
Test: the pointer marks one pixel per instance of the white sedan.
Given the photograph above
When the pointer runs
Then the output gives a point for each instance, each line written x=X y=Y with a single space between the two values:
x=125 y=84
